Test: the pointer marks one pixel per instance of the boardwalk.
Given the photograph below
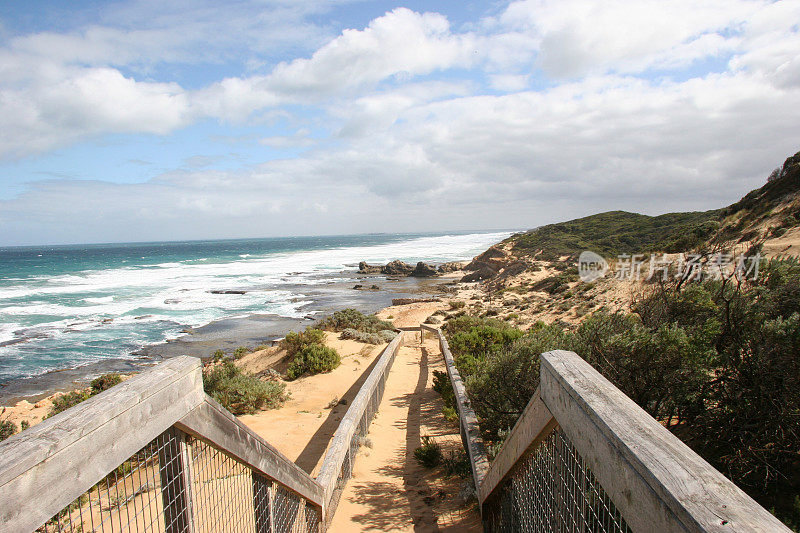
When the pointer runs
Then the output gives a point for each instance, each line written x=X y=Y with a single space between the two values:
x=389 y=491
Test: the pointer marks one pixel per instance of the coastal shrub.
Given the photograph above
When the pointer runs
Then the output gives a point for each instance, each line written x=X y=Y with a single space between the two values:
x=387 y=335
x=7 y=428
x=218 y=356
x=353 y=319
x=456 y=304
x=360 y=336
x=105 y=382
x=715 y=361
x=294 y=342
x=24 y=425
x=64 y=401
x=503 y=382
x=442 y=385
x=429 y=454
x=313 y=359
x=456 y=464
x=239 y=392
x=240 y=352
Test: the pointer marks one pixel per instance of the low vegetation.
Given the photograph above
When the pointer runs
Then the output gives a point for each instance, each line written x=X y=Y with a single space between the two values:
x=240 y=392
x=716 y=361
x=63 y=402
x=313 y=359
x=369 y=338
x=429 y=454
x=294 y=342
x=619 y=232
x=353 y=319
x=7 y=428
x=309 y=353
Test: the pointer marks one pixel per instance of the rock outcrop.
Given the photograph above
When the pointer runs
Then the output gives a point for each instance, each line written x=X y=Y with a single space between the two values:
x=424 y=270
x=364 y=268
x=446 y=268
x=397 y=268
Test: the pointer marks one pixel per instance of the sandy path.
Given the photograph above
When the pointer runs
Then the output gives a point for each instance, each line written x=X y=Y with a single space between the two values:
x=302 y=427
x=389 y=491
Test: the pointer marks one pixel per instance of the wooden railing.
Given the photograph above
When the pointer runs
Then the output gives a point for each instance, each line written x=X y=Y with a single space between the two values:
x=468 y=422
x=337 y=466
x=154 y=452
x=584 y=457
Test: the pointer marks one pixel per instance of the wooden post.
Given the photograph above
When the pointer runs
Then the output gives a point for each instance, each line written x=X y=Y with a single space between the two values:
x=173 y=467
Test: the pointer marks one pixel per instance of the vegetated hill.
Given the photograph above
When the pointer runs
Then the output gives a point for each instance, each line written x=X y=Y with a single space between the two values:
x=763 y=213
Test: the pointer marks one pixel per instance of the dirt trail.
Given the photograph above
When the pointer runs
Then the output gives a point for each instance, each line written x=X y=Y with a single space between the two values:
x=389 y=490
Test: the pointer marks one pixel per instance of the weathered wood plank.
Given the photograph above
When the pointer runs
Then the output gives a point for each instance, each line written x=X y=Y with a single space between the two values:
x=535 y=423
x=216 y=425
x=654 y=479
x=46 y=467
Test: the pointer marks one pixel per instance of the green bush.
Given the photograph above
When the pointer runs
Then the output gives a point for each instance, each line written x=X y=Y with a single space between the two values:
x=7 y=428
x=360 y=336
x=456 y=304
x=294 y=342
x=70 y=399
x=715 y=361
x=239 y=392
x=429 y=454
x=313 y=359
x=503 y=383
x=218 y=356
x=442 y=385
x=105 y=382
x=353 y=319
x=240 y=352
x=457 y=464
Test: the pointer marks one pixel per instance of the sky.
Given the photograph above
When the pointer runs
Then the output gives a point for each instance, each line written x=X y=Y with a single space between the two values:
x=152 y=121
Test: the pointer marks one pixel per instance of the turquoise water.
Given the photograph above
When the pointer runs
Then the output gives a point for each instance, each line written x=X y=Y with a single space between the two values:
x=66 y=306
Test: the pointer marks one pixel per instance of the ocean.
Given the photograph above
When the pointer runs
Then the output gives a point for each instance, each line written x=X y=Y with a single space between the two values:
x=64 y=307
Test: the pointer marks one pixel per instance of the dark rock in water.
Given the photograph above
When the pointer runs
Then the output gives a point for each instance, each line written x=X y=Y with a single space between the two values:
x=365 y=288
x=397 y=268
x=364 y=268
x=481 y=274
x=226 y=291
x=171 y=301
x=446 y=268
x=424 y=270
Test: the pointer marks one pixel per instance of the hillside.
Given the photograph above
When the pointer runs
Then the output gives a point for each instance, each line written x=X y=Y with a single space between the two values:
x=765 y=213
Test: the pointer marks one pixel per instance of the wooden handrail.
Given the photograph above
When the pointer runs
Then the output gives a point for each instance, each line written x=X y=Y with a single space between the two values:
x=340 y=443
x=470 y=431
x=656 y=481
x=47 y=467
x=213 y=423
x=535 y=423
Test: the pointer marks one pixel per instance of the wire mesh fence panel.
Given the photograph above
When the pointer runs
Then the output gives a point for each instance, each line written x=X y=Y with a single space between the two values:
x=553 y=490
x=178 y=483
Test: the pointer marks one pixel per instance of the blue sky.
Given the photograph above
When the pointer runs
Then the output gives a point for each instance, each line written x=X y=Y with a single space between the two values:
x=125 y=121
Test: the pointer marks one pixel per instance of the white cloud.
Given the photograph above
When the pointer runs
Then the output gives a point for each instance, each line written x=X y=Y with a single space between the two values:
x=586 y=37
x=398 y=142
